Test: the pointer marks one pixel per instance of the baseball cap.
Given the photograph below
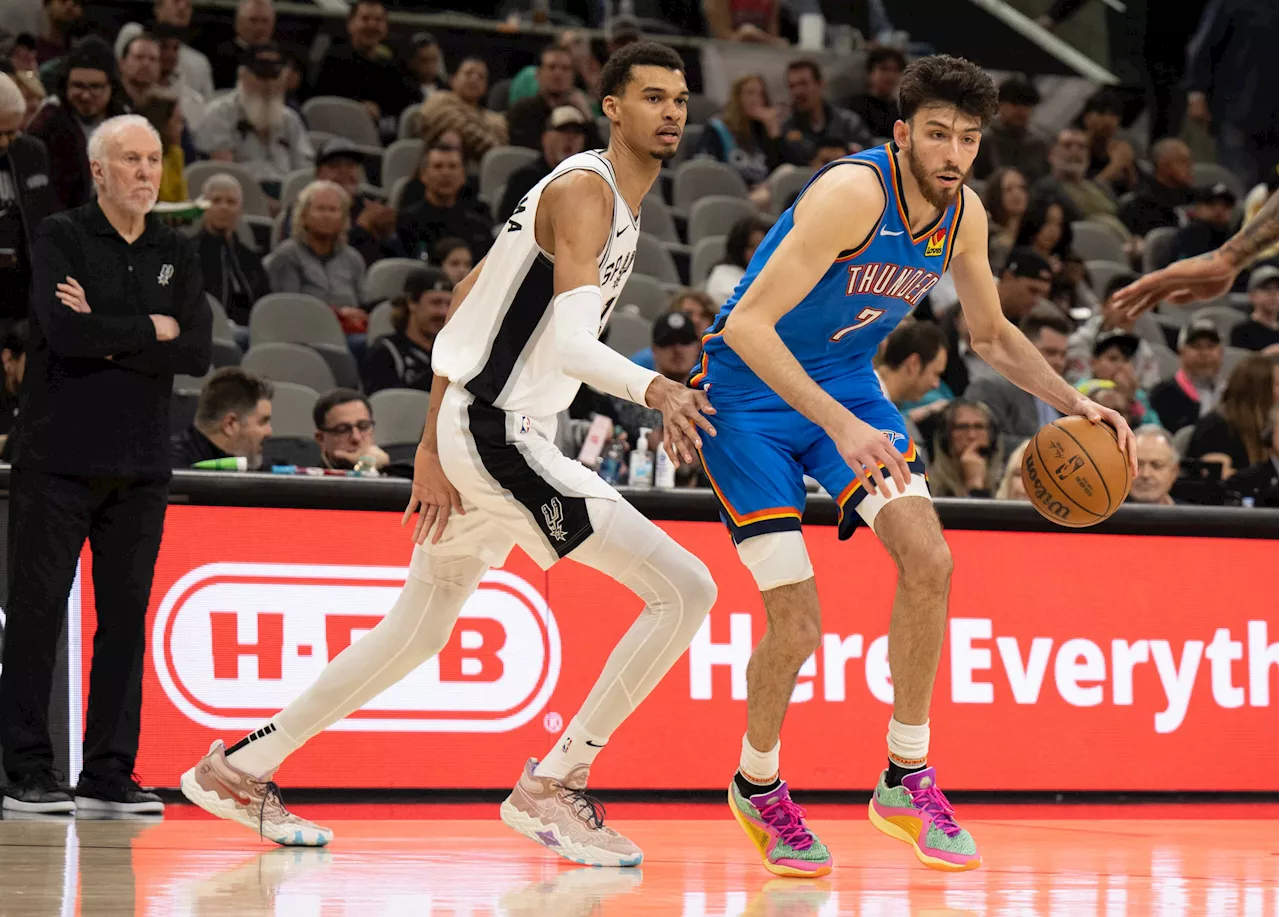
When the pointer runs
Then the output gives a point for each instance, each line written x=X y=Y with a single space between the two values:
x=1125 y=340
x=673 y=328
x=566 y=117
x=1027 y=262
x=339 y=148
x=264 y=61
x=1263 y=275
x=1219 y=191
x=426 y=280
x=1196 y=329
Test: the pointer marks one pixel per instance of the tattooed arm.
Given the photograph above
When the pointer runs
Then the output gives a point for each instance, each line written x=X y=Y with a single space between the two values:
x=1206 y=276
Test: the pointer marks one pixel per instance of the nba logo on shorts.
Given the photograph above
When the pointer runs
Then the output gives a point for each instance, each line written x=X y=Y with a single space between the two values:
x=525 y=424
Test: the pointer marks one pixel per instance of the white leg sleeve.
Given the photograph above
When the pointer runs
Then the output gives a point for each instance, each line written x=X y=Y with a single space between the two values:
x=677 y=590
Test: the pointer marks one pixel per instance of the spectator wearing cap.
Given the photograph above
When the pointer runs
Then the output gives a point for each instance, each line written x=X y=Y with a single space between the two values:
x=1018 y=412
x=255 y=24
x=818 y=132
x=1024 y=282
x=1108 y=318
x=344 y=430
x=13 y=359
x=1164 y=192
x=170 y=80
x=193 y=66
x=317 y=260
x=528 y=118
x=233 y=418
x=61 y=18
x=442 y=212
x=426 y=65
x=1259 y=330
x=752 y=22
x=1209 y=222
x=1009 y=141
x=740 y=246
x=86 y=94
x=1193 y=391
x=252 y=126
x=1111 y=158
x=1112 y=361
x=878 y=106
x=460 y=108
x=1233 y=432
x=26 y=198
x=698 y=307
x=403 y=359
x=565 y=134
x=1068 y=183
x=233 y=272
x=365 y=69
x=1158 y=466
x=676 y=345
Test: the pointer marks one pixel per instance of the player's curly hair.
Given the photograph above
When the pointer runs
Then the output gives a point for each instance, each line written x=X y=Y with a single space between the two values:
x=616 y=72
x=941 y=79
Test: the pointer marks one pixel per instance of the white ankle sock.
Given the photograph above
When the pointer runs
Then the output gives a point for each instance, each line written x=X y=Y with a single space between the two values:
x=261 y=752
x=759 y=766
x=574 y=747
x=908 y=745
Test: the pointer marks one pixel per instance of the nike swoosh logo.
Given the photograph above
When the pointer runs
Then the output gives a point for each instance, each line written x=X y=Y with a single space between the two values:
x=593 y=744
x=889 y=232
x=622 y=230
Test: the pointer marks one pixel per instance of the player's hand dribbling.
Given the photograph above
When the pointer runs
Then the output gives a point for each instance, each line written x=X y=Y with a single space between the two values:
x=1092 y=411
x=432 y=495
x=682 y=413
x=865 y=449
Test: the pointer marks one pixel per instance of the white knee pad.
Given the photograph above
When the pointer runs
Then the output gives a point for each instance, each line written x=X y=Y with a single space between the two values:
x=776 y=559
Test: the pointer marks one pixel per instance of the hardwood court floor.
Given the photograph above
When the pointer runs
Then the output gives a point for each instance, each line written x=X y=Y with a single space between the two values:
x=427 y=861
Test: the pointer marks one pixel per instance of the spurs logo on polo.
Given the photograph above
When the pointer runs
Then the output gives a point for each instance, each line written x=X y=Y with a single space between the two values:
x=166 y=274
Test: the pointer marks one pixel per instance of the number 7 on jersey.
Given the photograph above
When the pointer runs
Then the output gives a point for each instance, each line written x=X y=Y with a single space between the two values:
x=865 y=317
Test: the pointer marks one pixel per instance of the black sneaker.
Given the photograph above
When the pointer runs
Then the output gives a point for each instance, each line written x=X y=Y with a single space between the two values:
x=38 y=792
x=115 y=794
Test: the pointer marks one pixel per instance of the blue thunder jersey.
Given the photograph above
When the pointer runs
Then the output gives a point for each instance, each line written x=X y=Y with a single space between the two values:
x=836 y=329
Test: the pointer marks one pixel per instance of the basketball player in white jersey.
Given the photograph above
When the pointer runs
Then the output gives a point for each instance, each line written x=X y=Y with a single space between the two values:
x=522 y=335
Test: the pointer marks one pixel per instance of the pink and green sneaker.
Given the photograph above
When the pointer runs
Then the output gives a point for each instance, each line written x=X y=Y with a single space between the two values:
x=776 y=826
x=917 y=813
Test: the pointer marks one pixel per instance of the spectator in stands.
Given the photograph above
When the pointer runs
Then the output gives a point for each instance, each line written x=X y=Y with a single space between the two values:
x=1158 y=466
x=255 y=24
x=170 y=80
x=1232 y=433
x=403 y=359
x=1111 y=158
x=698 y=307
x=1209 y=222
x=86 y=98
x=878 y=106
x=253 y=127
x=1044 y=229
x=912 y=361
x=1011 y=486
x=344 y=430
x=426 y=64
x=1025 y=281
x=1194 y=389
x=461 y=109
x=317 y=260
x=1071 y=291
x=233 y=272
x=676 y=345
x=453 y=256
x=750 y=21
x=1108 y=395
x=1009 y=141
x=747 y=136
x=364 y=69
x=1069 y=185
x=442 y=213
x=140 y=68
x=1017 y=412
x=740 y=247
x=564 y=134
x=233 y=418
x=1006 y=200
x=61 y=18
x=1163 y=192
x=163 y=112
x=586 y=69
x=32 y=93
x=25 y=200
x=1259 y=331
x=13 y=358
x=967 y=460
x=527 y=119
x=193 y=66
x=1259 y=484
x=1080 y=347
x=1113 y=353
x=818 y=132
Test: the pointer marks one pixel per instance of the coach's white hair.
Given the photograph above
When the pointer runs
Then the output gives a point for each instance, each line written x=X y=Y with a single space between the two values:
x=107 y=131
x=221 y=181
x=304 y=201
x=12 y=101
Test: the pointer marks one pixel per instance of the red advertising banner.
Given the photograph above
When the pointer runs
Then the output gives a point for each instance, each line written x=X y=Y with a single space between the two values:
x=1072 y=661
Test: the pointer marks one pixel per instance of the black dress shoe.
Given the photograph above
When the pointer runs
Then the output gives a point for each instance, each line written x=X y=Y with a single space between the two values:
x=38 y=792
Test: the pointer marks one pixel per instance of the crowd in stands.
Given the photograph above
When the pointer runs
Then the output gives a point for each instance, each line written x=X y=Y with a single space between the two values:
x=359 y=191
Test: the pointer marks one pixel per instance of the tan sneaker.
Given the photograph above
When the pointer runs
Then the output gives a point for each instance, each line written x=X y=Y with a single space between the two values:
x=222 y=790
x=559 y=815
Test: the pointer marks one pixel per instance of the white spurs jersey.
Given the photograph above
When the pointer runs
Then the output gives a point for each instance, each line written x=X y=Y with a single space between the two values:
x=500 y=344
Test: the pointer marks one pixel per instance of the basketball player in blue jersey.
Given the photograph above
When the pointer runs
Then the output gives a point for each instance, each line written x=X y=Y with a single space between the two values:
x=787 y=366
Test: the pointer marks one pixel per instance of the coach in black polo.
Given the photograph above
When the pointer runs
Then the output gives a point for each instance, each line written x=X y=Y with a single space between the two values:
x=117 y=307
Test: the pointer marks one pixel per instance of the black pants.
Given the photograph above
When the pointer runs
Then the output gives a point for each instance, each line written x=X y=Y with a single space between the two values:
x=50 y=516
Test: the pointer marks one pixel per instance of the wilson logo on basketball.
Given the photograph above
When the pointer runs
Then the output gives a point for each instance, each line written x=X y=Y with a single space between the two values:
x=235 y=642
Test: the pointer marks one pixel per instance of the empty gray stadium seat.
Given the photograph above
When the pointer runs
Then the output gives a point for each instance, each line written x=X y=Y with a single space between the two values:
x=291 y=408
x=629 y=332
x=699 y=178
x=497 y=166
x=653 y=259
x=715 y=215
x=379 y=323
x=341 y=117
x=646 y=294
x=707 y=253
x=1095 y=242
x=295 y=363
x=293 y=318
x=400 y=160
x=386 y=278
x=400 y=413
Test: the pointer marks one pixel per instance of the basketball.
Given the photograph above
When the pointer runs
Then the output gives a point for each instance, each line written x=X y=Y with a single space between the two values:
x=1075 y=472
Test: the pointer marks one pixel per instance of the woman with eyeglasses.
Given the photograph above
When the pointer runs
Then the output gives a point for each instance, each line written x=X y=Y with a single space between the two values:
x=967 y=458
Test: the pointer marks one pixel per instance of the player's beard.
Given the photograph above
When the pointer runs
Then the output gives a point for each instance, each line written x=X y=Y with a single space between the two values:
x=937 y=197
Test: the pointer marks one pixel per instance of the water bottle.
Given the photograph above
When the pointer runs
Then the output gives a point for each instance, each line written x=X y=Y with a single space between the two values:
x=664 y=474
x=227 y=463
x=640 y=473
x=367 y=466
x=614 y=457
